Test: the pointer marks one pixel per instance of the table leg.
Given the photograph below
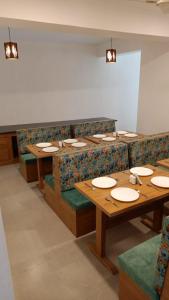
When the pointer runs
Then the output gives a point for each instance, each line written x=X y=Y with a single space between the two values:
x=40 y=173
x=158 y=219
x=99 y=248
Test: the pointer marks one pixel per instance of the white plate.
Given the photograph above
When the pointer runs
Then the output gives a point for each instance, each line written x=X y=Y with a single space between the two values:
x=70 y=141
x=109 y=139
x=131 y=135
x=122 y=132
x=79 y=145
x=50 y=149
x=99 y=136
x=104 y=182
x=43 y=145
x=161 y=181
x=141 y=171
x=125 y=194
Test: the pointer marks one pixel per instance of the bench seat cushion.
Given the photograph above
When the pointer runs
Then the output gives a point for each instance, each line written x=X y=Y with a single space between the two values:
x=28 y=158
x=76 y=200
x=49 y=179
x=140 y=265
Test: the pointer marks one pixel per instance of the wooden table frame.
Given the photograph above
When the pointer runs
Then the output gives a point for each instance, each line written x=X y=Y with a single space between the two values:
x=107 y=215
x=120 y=138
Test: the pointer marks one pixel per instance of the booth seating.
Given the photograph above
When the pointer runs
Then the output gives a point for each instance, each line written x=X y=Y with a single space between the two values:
x=75 y=210
x=144 y=270
x=90 y=128
x=28 y=165
x=148 y=150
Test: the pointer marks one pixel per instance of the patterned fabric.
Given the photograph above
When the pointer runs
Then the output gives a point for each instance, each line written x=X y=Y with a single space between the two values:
x=148 y=150
x=82 y=165
x=90 y=128
x=163 y=257
x=43 y=134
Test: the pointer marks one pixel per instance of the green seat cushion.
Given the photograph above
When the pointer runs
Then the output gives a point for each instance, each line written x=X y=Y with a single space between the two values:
x=140 y=264
x=49 y=179
x=28 y=158
x=76 y=200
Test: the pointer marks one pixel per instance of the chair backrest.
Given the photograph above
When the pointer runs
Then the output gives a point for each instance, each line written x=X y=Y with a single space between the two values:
x=162 y=269
x=73 y=167
x=148 y=150
x=94 y=127
x=43 y=134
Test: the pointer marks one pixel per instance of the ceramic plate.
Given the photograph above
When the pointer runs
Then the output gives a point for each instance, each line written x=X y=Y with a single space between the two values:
x=79 y=145
x=109 y=139
x=131 y=135
x=50 y=149
x=43 y=145
x=99 y=136
x=141 y=171
x=70 y=141
x=122 y=132
x=104 y=182
x=161 y=181
x=125 y=194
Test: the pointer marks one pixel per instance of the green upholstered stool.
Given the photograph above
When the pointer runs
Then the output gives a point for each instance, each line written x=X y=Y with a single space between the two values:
x=28 y=158
x=140 y=265
x=49 y=179
x=76 y=200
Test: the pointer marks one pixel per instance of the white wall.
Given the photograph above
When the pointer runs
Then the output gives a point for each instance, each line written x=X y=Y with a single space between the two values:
x=153 y=112
x=58 y=82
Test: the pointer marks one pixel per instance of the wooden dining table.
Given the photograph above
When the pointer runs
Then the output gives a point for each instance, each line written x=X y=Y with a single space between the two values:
x=110 y=212
x=41 y=155
x=119 y=138
x=164 y=163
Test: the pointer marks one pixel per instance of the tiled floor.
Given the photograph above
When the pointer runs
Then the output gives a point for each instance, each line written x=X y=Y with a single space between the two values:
x=47 y=262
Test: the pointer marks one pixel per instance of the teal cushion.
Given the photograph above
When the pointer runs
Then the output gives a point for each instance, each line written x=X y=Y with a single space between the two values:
x=49 y=179
x=76 y=200
x=28 y=158
x=140 y=264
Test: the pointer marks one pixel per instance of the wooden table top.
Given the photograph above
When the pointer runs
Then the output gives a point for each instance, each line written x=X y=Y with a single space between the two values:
x=164 y=162
x=39 y=153
x=120 y=138
x=148 y=193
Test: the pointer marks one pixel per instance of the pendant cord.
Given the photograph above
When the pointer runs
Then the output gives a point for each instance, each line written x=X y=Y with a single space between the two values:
x=9 y=33
x=111 y=43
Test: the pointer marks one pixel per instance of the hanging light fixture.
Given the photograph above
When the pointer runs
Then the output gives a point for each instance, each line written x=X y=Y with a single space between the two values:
x=111 y=55
x=11 y=48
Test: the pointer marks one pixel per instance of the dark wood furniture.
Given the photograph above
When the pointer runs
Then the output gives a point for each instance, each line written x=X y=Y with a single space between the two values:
x=8 y=148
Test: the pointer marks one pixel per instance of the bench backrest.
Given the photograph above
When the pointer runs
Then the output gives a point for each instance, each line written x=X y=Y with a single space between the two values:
x=94 y=127
x=77 y=166
x=162 y=269
x=148 y=150
x=43 y=134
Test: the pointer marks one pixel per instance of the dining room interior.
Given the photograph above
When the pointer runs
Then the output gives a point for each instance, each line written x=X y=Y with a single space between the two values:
x=84 y=150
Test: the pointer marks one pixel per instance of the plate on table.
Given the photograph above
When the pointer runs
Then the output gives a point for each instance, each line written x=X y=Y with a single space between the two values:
x=161 y=181
x=104 y=182
x=131 y=135
x=79 y=145
x=50 y=149
x=109 y=139
x=99 y=136
x=141 y=171
x=125 y=194
x=121 y=132
x=70 y=141
x=43 y=145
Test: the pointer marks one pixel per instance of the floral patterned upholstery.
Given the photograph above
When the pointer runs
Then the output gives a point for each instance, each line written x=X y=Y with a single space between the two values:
x=90 y=128
x=163 y=257
x=43 y=134
x=148 y=150
x=82 y=165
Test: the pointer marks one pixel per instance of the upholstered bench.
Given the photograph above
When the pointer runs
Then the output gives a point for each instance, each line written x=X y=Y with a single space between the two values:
x=94 y=127
x=144 y=271
x=75 y=210
x=28 y=164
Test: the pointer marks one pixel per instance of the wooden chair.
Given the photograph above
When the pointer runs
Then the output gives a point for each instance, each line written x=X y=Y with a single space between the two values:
x=144 y=270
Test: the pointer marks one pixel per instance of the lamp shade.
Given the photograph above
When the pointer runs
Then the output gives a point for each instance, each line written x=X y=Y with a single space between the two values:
x=111 y=55
x=11 y=50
